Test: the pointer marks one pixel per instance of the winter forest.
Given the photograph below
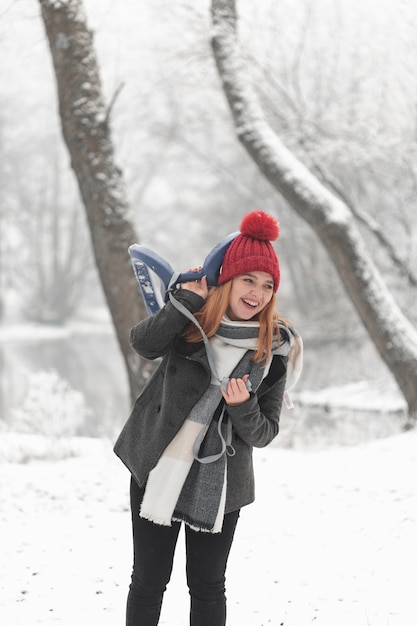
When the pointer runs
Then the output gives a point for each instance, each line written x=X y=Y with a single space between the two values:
x=163 y=123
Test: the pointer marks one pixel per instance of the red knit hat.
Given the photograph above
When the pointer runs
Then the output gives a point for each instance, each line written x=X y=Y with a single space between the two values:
x=251 y=250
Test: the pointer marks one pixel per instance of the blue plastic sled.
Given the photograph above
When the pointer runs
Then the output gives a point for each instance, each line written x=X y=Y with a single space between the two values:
x=154 y=274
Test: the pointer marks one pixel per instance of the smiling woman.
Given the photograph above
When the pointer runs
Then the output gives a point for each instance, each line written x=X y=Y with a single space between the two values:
x=249 y=260
x=217 y=392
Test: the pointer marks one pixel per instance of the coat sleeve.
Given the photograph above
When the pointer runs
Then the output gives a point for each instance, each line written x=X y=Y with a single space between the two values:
x=153 y=336
x=257 y=420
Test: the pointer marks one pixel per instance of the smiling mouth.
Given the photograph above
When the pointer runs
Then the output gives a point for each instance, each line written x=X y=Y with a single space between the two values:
x=250 y=303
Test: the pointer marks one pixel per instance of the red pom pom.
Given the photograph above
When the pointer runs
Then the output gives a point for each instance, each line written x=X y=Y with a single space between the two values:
x=260 y=225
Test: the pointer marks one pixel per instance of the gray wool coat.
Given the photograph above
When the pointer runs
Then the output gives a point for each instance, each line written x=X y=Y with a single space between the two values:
x=179 y=381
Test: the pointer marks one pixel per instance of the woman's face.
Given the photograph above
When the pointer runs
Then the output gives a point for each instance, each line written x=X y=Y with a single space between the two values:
x=250 y=294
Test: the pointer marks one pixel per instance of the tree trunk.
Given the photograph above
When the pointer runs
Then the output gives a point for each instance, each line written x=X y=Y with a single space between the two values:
x=332 y=220
x=85 y=126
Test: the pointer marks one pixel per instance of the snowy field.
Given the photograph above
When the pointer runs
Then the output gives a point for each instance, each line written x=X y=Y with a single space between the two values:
x=331 y=539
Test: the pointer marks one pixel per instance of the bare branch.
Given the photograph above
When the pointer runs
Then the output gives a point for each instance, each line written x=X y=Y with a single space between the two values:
x=113 y=101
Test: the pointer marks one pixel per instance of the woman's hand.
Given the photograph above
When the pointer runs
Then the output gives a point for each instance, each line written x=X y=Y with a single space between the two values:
x=236 y=391
x=197 y=286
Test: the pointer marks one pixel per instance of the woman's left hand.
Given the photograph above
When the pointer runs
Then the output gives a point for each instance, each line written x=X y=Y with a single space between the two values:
x=236 y=391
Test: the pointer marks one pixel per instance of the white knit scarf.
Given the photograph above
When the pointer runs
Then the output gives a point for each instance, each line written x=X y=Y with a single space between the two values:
x=184 y=485
x=189 y=481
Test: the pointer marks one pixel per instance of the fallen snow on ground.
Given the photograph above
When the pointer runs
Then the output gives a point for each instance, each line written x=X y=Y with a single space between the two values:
x=330 y=541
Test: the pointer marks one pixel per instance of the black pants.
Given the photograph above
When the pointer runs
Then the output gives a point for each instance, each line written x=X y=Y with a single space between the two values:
x=154 y=547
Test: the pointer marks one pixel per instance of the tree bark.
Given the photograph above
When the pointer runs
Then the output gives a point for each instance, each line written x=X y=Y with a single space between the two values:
x=85 y=127
x=332 y=220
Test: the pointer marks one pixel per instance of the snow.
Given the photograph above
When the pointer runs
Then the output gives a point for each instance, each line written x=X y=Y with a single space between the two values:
x=359 y=396
x=330 y=540
x=99 y=323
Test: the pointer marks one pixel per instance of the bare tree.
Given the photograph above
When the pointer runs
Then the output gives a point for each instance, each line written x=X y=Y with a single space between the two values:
x=331 y=219
x=85 y=126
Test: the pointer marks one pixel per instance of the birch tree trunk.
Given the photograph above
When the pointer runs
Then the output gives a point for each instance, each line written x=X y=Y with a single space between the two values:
x=332 y=220
x=85 y=127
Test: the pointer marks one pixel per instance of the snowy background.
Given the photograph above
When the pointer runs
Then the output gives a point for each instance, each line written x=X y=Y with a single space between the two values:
x=332 y=537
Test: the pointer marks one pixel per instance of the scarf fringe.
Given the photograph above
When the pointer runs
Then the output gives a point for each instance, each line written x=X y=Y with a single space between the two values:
x=193 y=525
x=180 y=518
x=155 y=520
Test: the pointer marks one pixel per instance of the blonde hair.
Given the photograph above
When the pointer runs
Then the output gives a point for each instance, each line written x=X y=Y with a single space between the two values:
x=210 y=316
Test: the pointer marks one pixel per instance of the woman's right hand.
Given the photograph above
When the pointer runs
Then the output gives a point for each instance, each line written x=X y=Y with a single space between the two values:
x=197 y=286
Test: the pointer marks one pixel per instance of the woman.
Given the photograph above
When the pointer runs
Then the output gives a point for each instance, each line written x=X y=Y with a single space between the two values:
x=217 y=392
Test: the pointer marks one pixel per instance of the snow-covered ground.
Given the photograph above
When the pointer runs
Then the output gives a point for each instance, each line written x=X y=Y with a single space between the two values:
x=331 y=539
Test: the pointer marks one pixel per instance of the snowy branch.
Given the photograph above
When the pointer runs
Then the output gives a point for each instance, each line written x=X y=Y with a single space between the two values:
x=333 y=221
